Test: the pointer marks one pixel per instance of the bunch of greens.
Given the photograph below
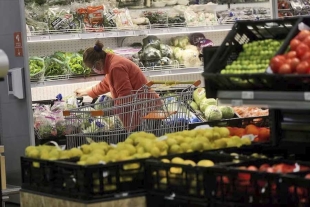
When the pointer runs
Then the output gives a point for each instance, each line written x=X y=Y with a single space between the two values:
x=77 y=67
x=36 y=65
x=55 y=67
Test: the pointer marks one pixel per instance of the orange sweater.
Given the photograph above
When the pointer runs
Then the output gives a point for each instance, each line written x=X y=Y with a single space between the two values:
x=122 y=77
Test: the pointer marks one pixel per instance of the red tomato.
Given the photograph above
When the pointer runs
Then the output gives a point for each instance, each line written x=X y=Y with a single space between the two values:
x=294 y=43
x=307 y=176
x=307 y=41
x=264 y=167
x=291 y=54
x=301 y=50
x=285 y=69
x=293 y=63
x=276 y=63
x=306 y=56
x=264 y=134
x=302 y=35
x=270 y=170
x=252 y=168
x=251 y=129
x=303 y=67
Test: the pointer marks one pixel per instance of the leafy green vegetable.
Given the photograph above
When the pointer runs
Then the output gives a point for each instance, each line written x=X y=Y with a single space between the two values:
x=36 y=65
x=55 y=67
x=77 y=67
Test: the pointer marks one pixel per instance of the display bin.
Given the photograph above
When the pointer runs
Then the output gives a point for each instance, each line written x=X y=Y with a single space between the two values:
x=38 y=175
x=182 y=180
x=259 y=121
x=296 y=189
x=258 y=188
x=244 y=32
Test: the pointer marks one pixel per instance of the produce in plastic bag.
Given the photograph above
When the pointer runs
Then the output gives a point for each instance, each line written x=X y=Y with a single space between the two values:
x=103 y=102
x=166 y=51
x=46 y=126
x=60 y=123
x=77 y=66
x=191 y=56
x=61 y=18
x=151 y=53
x=36 y=67
x=55 y=67
x=35 y=18
x=156 y=17
x=180 y=41
x=151 y=41
x=123 y=19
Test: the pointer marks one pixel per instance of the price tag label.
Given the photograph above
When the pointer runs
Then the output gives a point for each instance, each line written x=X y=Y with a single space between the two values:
x=167 y=72
x=46 y=37
x=307 y=96
x=144 y=32
x=247 y=95
x=109 y=34
x=164 y=30
x=74 y=36
x=98 y=35
x=236 y=102
x=129 y=33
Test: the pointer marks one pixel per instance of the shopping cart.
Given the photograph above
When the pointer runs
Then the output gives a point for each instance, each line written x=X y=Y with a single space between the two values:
x=144 y=110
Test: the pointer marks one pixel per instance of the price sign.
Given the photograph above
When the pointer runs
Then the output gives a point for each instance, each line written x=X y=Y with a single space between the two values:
x=109 y=34
x=129 y=33
x=247 y=95
x=307 y=96
x=167 y=72
x=236 y=102
x=46 y=37
x=164 y=30
x=98 y=35
x=144 y=32
x=74 y=36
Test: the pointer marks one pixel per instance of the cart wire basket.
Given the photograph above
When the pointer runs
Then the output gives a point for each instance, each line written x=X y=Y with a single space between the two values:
x=112 y=120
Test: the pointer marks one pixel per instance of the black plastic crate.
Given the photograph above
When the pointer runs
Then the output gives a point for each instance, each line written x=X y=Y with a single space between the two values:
x=259 y=121
x=296 y=189
x=183 y=180
x=38 y=175
x=260 y=151
x=241 y=33
x=258 y=188
x=244 y=32
x=95 y=182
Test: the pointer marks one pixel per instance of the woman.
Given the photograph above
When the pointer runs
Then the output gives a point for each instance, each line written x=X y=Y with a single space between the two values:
x=121 y=78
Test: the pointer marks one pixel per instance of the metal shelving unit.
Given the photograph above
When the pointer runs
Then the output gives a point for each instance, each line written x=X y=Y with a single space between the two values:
x=266 y=99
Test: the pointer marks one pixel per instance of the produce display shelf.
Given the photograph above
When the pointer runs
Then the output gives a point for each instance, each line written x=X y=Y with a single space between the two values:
x=266 y=99
x=127 y=33
x=149 y=73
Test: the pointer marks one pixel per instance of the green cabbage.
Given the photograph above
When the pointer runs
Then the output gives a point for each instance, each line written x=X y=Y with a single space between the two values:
x=207 y=102
x=213 y=113
x=199 y=94
x=227 y=111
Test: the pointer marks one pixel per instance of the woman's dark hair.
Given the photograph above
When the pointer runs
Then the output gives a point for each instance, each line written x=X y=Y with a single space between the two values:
x=94 y=54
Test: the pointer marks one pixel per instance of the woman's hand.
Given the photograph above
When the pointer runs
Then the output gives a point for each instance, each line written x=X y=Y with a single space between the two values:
x=80 y=92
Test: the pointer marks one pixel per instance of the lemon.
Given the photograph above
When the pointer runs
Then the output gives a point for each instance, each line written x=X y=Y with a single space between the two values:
x=205 y=163
x=155 y=152
x=86 y=149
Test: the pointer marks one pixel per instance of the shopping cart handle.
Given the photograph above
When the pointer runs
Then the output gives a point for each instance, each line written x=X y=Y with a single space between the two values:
x=195 y=83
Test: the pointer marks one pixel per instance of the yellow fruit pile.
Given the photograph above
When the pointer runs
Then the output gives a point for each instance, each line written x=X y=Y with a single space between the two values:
x=143 y=145
x=46 y=152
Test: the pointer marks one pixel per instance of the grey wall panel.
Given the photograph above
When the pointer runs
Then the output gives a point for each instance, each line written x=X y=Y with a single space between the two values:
x=16 y=115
